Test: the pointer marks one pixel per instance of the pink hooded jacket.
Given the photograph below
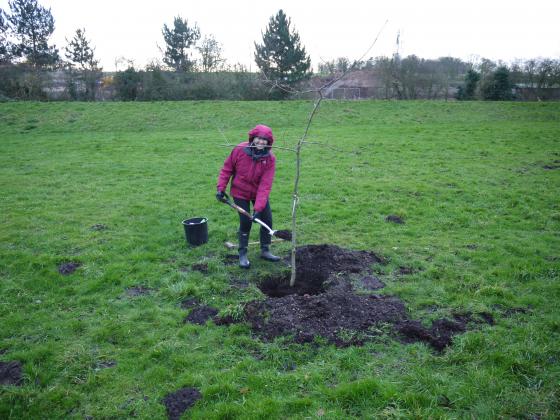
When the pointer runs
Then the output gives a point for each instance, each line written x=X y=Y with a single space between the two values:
x=252 y=174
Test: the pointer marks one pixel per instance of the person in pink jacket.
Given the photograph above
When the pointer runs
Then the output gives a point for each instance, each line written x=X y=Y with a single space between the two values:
x=251 y=166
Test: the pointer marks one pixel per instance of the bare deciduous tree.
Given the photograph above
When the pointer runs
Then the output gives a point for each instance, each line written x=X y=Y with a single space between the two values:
x=295 y=197
x=210 y=54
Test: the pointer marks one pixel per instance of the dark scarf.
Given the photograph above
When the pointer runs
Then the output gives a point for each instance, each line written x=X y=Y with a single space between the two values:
x=255 y=153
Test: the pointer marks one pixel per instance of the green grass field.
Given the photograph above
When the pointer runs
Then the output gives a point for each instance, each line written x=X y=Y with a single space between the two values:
x=477 y=184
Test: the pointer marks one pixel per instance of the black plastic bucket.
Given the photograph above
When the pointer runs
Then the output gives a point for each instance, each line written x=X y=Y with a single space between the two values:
x=196 y=230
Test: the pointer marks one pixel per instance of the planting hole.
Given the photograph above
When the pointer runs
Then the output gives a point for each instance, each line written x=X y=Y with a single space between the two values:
x=279 y=286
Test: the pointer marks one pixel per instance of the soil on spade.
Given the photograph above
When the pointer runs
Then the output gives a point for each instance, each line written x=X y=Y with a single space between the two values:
x=323 y=303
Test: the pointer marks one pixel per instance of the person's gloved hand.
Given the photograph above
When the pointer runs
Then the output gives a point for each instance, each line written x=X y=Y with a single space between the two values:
x=257 y=215
x=221 y=196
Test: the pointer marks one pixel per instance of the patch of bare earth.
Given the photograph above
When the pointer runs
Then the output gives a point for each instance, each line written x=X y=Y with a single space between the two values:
x=178 y=402
x=200 y=314
x=371 y=283
x=201 y=267
x=10 y=373
x=393 y=218
x=68 y=268
x=553 y=165
x=323 y=304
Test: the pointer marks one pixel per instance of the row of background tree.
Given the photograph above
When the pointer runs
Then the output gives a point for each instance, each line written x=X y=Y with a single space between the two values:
x=192 y=67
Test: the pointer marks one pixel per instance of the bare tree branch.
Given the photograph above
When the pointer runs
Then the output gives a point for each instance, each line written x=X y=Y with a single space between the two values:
x=328 y=146
x=300 y=143
x=275 y=147
x=223 y=135
x=296 y=185
x=302 y=140
x=356 y=62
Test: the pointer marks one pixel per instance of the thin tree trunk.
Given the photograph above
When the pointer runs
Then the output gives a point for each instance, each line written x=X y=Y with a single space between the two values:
x=298 y=155
x=295 y=197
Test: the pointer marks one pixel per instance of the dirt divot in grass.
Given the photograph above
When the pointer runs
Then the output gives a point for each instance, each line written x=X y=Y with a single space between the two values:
x=99 y=227
x=189 y=303
x=231 y=259
x=393 y=218
x=68 y=268
x=323 y=303
x=439 y=335
x=553 y=165
x=10 y=373
x=178 y=402
x=201 y=314
x=200 y=267
x=405 y=271
x=441 y=332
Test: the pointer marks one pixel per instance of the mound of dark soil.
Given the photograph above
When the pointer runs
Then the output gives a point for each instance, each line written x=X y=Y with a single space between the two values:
x=371 y=283
x=323 y=303
x=10 y=373
x=99 y=226
x=201 y=314
x=316 y=263
x=68 y=268
x=178 y=402
x=338 y=315
x=278 y=286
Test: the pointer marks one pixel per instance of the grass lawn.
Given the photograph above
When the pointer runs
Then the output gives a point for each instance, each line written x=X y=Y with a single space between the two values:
x=106 y=185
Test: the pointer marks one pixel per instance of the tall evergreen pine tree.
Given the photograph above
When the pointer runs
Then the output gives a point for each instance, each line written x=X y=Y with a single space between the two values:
x=281 y=57
x=33 y=25
x=178 y=40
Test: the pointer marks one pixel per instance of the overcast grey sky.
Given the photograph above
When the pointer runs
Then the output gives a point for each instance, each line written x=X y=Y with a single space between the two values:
x=499 y=30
